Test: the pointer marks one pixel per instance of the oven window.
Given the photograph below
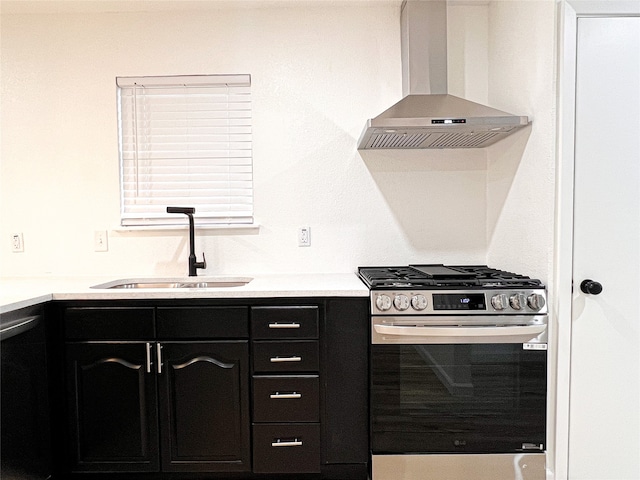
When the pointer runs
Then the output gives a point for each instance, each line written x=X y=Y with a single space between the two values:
x=467 y=398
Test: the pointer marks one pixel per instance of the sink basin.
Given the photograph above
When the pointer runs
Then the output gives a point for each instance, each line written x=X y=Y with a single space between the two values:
x=184 y=282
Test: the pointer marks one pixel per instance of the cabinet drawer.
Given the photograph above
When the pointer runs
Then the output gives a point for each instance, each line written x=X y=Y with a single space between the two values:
x=94 y=323
x=284 y=322
x=286 y=399
x=203 y=322
x=289 y=356
x=288 y=448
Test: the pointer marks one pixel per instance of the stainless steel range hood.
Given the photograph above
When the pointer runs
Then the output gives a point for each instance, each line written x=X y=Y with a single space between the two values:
x=428 y=117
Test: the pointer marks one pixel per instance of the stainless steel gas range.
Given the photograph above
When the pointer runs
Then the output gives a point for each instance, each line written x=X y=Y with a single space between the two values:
x=458 y=373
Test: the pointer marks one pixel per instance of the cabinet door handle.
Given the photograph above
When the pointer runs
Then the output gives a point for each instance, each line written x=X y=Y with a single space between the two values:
x=279 y=395
x=159 y=357
x=287 y=443
x=285 y=359
x=284 y=325
x=148 y=348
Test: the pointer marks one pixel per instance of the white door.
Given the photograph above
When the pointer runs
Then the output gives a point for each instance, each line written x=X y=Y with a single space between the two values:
x=604 y=421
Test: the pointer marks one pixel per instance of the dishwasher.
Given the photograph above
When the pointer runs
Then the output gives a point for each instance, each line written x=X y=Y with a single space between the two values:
x=25 y=429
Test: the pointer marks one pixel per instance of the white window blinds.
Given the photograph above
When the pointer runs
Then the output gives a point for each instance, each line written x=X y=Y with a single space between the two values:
x=185 y=141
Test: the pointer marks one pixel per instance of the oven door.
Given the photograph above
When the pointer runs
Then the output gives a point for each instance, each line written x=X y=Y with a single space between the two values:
x=476 y=394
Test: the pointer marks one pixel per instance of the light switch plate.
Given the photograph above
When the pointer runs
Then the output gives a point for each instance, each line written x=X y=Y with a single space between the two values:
x=100 y=241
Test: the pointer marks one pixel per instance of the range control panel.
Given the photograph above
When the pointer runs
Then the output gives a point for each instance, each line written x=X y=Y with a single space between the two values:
x=496 y=302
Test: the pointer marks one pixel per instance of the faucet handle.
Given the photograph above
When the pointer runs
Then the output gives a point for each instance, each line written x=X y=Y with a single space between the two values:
x=203 y=263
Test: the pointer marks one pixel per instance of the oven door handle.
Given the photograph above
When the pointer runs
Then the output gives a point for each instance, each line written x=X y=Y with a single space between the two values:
x=486 y=331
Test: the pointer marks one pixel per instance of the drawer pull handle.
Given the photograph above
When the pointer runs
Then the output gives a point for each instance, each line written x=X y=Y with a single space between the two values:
x=284 y=325
x=279 y=395
x=285 y=359
x=287 y=443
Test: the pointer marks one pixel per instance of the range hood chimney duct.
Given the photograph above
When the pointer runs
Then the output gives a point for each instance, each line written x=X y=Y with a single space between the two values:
x=427 y=116
x=424 y=47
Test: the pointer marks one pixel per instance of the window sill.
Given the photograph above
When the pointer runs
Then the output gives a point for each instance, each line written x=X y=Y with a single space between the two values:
x=251 y=228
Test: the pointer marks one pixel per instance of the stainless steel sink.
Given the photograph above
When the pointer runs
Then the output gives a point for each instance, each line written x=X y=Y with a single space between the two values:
x=184 y=282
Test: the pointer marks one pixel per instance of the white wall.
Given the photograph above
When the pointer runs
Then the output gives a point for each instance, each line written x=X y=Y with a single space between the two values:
x=521 y=171
x=319 y=69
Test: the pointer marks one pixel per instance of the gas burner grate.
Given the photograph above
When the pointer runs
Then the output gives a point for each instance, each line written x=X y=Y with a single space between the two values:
x=443 y=277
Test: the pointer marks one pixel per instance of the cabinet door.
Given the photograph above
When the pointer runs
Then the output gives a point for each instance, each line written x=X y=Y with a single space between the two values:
x=345 y=354
x=112 y=408
x=204 y=402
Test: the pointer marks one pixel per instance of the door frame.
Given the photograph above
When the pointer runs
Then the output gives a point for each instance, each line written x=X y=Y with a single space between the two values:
x=569 y=11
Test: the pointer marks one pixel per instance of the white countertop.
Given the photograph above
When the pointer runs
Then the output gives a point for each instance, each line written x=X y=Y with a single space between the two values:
x=19 y=292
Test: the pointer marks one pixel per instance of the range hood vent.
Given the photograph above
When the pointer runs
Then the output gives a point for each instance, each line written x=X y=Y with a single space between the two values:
x=428 y=117
x=431 y=140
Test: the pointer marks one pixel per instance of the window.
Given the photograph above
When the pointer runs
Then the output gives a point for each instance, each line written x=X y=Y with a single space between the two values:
x=185 y=141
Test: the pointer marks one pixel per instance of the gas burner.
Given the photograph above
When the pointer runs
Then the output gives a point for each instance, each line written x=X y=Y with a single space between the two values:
x=443 y=277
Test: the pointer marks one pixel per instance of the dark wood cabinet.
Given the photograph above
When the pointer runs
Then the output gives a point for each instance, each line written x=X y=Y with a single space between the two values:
x=204 y=405
x=286 y=448
x=112 y=323
x=150 y=406
x=287 y=356
x=345 y=354
x=113 y=420
x=241 y=389
x=201 y=322
x=286 y=398
x=284 y=322
x=286 y=407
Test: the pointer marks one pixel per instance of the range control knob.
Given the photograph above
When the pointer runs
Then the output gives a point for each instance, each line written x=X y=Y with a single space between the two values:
x=500 y=302
x=401 y=302
x=536 y=301
x=419 y=302
x=383 y=302
x=518 y=301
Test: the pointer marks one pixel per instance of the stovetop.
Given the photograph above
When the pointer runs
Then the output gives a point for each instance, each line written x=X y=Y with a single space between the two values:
x=436 y=276
x=451 y=290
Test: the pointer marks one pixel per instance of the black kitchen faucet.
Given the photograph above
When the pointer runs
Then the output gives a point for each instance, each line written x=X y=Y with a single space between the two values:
x=193 y=264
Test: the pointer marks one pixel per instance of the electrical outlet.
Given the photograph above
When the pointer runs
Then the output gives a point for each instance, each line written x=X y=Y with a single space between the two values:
x=304 y=237
x=17 y=243
x=100 y=241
